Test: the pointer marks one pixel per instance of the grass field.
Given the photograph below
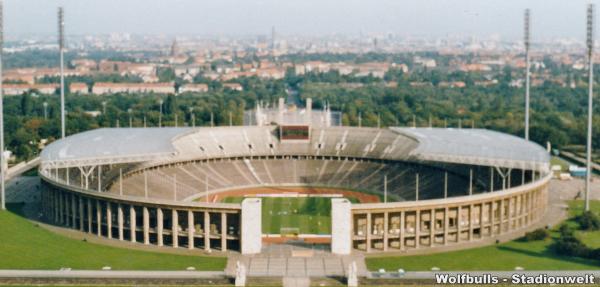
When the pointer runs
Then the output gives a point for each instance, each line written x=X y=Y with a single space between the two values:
x=311 y=215
x=24 y=245
x=590 y=238
x=535 y=255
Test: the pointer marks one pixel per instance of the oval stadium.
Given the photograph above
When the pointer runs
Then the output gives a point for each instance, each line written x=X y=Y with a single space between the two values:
x=354 y=189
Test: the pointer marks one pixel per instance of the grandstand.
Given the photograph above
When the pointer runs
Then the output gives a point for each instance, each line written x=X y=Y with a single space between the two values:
x=162 y=185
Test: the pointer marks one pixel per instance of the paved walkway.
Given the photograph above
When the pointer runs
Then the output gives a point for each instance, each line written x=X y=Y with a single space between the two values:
x=296 y=259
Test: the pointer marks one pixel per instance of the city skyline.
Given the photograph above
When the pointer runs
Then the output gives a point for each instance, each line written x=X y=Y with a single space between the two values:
x=466 y=18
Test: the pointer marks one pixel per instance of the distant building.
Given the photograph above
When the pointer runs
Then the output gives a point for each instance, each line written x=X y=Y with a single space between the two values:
x=19 y=89
x=233 y=86
x=196 y=88
x=110 y=88
x=79 y=88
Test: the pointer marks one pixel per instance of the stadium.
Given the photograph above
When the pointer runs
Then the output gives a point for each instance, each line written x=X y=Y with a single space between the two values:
x=356 y=189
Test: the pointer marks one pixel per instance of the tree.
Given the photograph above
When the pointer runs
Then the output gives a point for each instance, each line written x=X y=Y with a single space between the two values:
x=26 y=104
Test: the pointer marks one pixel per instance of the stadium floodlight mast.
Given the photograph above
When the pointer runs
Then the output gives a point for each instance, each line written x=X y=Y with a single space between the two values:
x=61 y=48
x=2 y=165
x=590 y=46
x=526 y=41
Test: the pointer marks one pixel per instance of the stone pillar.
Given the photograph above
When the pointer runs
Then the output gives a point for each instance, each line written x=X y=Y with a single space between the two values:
x=369 y=231
x=458 y=222
x=341 y=226
x=190 y=215
x=501 y=229
x=481 y=220
x=206 y=230
x=81 y=215
x=432 y=228
x=98 y=218
x=223 y=231
x=175 y=228
x=108 y=220
x=385 y=230
x=417 y=228
x=402 y=229
x=446 y=225
x=159 y=226
x=471 y=222
x=492 y=218
x=251 y=221
x=89 y=215
x=132 y=224
x=146 y=221
x=120 y=221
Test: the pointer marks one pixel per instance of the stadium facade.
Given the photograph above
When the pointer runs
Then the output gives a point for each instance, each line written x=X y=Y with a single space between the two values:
x=160 y=186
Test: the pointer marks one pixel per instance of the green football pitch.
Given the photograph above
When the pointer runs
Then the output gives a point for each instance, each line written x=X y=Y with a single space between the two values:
x=306 y=215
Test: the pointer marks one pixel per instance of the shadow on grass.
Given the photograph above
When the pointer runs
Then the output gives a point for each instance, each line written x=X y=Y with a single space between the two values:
x=548 y=253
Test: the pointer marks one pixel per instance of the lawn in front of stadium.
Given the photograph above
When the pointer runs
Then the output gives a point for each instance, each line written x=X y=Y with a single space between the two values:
x=536 y=255
x=306 y=215
x=26 y=245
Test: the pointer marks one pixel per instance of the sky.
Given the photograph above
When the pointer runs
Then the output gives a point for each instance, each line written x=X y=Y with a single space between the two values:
x=433 y=18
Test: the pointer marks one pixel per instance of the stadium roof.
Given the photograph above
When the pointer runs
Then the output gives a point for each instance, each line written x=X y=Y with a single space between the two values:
x=477 y=147
x=111 y=146
x=131 y=145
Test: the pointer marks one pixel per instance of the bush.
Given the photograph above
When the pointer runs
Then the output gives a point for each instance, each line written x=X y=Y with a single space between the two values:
x=569 y=245
x=588 y=221
x=538 y=234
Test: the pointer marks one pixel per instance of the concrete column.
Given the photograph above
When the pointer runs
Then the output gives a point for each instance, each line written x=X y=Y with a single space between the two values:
x=120 y=221
x=418 y=229
x=55 y=206
x=206 y=230
x=223 y=231
x=81 y=215
x=491 y=179
x=402 y=229
x=108 y=220
x=132 y=224
x=98 y=218
x=385 y=230
x=61 y=218
x=190 y=215
x=175 y=228
x=73 y=211
x=369 y=231
x=159 y=226
x=89 y=214
x=146 y=221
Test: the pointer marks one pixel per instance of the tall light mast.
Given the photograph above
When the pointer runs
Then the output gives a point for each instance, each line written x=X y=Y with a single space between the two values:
x=61 y=48
x=590 y=46
x=527 y=73
x=2 y=159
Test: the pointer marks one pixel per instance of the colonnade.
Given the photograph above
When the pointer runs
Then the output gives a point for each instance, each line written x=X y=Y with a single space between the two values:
x=156 y=224
x=411 y=225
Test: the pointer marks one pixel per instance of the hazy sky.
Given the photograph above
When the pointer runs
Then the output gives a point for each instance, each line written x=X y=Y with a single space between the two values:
x=551 y=18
